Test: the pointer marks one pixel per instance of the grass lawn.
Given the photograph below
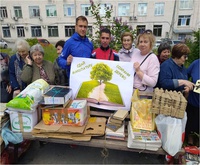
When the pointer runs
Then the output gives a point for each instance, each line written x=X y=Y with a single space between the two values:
x=87 y=87
x=111 y=91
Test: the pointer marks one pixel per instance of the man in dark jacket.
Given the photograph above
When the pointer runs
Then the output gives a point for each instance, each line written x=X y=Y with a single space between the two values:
x=77 y=46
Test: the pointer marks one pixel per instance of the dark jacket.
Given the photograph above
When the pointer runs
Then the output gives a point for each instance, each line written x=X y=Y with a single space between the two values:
x=169 y=75
x=61 y=74
x=15 y=68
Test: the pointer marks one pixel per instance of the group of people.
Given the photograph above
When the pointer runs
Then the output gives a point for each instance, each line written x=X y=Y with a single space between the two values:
x=151 y=70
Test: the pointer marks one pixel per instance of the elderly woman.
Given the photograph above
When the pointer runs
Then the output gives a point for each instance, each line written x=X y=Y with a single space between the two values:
x=36 y=67
x=17 y=61
x=125 y=54
x=173 y=75
x=145 y=62
x=164 y=51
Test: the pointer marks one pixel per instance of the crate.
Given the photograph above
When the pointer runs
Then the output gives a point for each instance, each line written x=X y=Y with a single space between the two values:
x=170 y=103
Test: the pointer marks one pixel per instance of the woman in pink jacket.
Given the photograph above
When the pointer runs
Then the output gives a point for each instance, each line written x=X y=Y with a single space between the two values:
x=145 y=62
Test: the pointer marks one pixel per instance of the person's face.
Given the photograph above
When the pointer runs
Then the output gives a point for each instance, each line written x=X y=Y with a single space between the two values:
x=164 y=55
x=59 y=49
x=23 y=53
x=144 y=45
x=181 y=61
x=37 y=57
x=105 y=39
x=81 y=28
x=127 y=42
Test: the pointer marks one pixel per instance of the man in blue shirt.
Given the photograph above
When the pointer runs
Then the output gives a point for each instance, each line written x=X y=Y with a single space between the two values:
x=77 y=46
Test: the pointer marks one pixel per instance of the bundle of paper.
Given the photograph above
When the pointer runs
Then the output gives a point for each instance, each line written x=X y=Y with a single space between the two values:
x=119 y=134
x=115 y=121
x=142 y=139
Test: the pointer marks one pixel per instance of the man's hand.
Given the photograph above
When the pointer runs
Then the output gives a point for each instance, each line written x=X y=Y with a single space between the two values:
x=69 y=59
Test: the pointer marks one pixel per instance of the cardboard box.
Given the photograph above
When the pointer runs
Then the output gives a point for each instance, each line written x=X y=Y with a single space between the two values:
x=57 y=95
x=22 y=121
x=75 y=115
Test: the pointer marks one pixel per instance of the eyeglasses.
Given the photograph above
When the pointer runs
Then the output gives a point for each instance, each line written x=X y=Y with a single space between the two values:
x=148 y=31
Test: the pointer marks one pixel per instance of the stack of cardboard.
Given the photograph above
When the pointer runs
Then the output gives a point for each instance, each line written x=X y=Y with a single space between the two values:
x=115 y=127
x=94 y=127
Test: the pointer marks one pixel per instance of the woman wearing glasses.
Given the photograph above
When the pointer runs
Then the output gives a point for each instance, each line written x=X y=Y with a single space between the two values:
x=173 y=75
x=145 y=62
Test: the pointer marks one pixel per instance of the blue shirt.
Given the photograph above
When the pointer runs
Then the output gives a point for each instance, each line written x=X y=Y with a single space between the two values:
x=169 y=75
x=77 y=47
x=193 y=72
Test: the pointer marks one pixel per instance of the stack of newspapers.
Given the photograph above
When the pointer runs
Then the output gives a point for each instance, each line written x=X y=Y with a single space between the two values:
x=142 y=139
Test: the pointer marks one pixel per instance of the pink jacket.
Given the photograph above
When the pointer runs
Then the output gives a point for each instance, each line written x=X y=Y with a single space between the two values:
x=150 y=68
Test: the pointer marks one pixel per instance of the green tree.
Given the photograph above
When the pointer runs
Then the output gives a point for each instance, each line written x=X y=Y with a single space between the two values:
x=101 y=72
x=116 y=26
x=194 y=47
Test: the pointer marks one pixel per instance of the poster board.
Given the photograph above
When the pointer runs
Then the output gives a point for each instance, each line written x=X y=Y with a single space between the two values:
x=105 y=84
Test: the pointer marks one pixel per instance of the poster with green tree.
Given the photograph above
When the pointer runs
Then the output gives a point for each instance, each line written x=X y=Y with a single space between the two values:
x=104 y=84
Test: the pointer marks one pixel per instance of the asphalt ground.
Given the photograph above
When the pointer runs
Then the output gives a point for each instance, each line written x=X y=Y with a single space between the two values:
x=53 y=153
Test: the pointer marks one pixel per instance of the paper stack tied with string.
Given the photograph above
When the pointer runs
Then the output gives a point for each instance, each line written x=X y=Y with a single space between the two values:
x=58 y=95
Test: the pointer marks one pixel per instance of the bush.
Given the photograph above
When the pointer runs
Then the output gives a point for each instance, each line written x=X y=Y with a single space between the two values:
x=194 y=48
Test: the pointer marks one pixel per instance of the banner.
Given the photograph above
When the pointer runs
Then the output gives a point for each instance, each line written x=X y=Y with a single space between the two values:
x=105 y=84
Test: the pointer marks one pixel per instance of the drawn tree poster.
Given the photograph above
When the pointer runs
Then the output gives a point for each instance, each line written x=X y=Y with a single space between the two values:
x=105 y=84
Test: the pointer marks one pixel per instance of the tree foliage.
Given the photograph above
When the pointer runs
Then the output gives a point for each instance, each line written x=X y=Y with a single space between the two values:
x=194 y=47
x=101 y=72
x=116 y=26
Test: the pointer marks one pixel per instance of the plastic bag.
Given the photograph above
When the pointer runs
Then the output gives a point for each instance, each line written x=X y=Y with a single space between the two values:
x=29 y=98
x=171 y=132
x=140 y=115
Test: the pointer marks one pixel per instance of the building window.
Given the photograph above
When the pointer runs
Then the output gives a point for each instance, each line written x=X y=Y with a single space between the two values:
x=103 y=7
x=69 y=31
x=140 y=29
x=157 y=30
x=142 y=8
x=18 y=11
x=53 y=31
x=20 y=31
x=186 y=4
x=124 y=9
x=159 y=8
x=69 y=10
x=34 y=11
x=3 y=12
x=184 y=20
x=36 y=31
x=85 y=10
x=51 y=10
x=6 y=32
x=181 y=37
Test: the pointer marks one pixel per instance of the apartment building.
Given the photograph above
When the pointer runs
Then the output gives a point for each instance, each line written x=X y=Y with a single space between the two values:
x=55 y=19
